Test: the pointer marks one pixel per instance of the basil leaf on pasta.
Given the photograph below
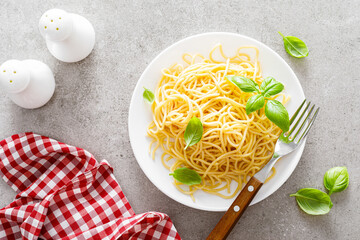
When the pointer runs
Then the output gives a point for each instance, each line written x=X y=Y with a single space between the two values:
x=278 y=114
x=313 y=201
x=148 y=95
x=295 y=46
x=254 y=103
x=193 y=132
x=336 y=179
x=270 y=87
x=186 y=176
x=245 y=84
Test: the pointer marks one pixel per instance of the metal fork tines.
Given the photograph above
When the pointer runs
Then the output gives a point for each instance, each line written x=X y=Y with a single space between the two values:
x=305 y=116
x=300 y=125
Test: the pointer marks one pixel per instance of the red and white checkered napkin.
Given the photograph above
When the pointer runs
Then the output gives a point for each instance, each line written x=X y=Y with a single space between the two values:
x=64 y=193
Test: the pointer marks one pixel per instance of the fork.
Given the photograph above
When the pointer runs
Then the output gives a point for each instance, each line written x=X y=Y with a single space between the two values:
x=286 y=144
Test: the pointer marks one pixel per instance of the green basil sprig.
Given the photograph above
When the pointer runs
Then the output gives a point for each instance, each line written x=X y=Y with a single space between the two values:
x=270 y=87
x=313 y=201
x=148 y=95
x=336 y=179
x=245 y=84
x=186 y=176
x=193 y=132
x=295 y=46
x=277 y=113
x=274 y=110
x=254 y=103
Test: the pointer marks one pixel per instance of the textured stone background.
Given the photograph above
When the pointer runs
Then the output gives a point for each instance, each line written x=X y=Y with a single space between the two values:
x=90 y=105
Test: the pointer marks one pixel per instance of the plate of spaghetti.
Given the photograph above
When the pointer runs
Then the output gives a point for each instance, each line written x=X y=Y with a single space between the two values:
x=188 y=80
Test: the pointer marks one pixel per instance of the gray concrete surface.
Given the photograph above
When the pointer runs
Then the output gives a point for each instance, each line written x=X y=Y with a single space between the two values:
x=90 y=106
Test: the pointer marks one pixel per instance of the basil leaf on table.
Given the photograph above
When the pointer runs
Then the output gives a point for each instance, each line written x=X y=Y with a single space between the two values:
x=148 y=95
x=245 y=84
x=254 y=103
x=186 y=176
x=336 y=179
x=295 y=46
x=270 y=87
x=313 y=201
x=278 y=114
x=193 y=132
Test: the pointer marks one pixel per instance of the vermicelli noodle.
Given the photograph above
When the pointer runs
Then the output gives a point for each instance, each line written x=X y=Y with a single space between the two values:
x=234 y=145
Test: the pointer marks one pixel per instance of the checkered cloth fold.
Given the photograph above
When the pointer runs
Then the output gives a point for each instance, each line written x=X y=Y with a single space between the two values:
x=64 y=193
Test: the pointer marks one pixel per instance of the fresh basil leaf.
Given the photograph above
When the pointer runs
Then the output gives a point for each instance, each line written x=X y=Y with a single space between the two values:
x=193 y=132
x=336 y=179
x=295 y=47
x=278 y=114
x=254 y=103
x=148 y=95
x=245 y=84
x=313 y=201
x=270 y=87
x=186 y=176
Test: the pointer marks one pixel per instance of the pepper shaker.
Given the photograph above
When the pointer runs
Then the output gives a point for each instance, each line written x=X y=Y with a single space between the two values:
x=69 y=37
x=29 y=83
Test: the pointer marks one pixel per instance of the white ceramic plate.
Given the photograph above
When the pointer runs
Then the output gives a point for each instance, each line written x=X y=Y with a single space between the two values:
x=140 y=114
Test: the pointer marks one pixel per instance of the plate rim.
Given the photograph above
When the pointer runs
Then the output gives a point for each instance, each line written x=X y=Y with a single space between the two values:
x=131 y=106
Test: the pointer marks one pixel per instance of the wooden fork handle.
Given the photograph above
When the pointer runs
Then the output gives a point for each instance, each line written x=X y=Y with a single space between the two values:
x=232 y=215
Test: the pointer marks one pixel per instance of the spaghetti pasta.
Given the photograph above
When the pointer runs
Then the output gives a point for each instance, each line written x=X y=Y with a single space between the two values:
x=234 y=145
